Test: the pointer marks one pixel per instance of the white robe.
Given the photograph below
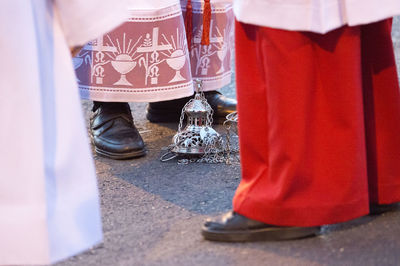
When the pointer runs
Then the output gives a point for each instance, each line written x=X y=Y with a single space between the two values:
x=49 y=206
x=318 y=16
x=147 y=59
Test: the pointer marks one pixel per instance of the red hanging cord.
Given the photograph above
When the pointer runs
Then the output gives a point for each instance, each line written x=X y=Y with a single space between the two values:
x=189 y=23
x=205 y=38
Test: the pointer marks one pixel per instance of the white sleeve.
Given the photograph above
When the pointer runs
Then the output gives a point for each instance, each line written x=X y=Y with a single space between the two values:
x=85 y=20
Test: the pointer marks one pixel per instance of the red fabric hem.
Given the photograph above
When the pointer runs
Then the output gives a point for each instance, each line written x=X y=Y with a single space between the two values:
x=299 y=216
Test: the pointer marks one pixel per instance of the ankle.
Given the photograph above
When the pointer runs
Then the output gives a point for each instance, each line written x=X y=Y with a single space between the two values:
x=113 y=105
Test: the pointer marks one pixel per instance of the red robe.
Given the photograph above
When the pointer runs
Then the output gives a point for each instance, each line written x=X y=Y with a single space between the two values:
x=319 y=123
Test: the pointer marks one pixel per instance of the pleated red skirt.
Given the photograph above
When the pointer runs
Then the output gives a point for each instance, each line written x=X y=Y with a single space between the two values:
x=319 y=123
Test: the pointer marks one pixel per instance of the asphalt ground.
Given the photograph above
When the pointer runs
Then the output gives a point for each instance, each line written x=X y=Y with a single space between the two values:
x=153 y=211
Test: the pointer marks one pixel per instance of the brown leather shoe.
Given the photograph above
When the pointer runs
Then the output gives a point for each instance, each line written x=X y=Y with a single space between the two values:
x=113 y=132
x=170 y=111
x=233 y=227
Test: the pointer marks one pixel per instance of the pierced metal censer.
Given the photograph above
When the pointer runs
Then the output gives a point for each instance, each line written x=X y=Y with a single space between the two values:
x=198 y=138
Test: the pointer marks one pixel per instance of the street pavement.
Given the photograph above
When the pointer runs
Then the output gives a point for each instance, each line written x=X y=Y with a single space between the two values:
x=153 y=211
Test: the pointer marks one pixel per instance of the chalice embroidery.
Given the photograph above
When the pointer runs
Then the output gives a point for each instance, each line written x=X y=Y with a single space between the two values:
x=124 y=60
x=178 y=57
x=221 y=56
x=123 y=64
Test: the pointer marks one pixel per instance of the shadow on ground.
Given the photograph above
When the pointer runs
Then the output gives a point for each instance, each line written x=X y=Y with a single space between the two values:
x=153 y=211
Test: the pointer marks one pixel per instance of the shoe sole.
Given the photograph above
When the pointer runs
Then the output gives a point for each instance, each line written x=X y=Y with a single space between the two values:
x=120 y=156
x=265 y=234
x=117 y=156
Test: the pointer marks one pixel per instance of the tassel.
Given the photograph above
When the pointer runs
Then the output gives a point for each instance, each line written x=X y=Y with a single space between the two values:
x=189 y=24
x=205 y=38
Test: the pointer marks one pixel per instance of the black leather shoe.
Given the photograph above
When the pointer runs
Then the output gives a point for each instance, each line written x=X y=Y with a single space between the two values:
x=113 y=132
x=234 y=227
x=170 y=111
x=376 y=209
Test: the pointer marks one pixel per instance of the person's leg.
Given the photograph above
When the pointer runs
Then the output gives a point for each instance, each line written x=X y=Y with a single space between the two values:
x=382 y=114
x=312 y=170
x=170 y=111
x=302 y=137
x=210 y=63
x=255 y=115
x=113 y=131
